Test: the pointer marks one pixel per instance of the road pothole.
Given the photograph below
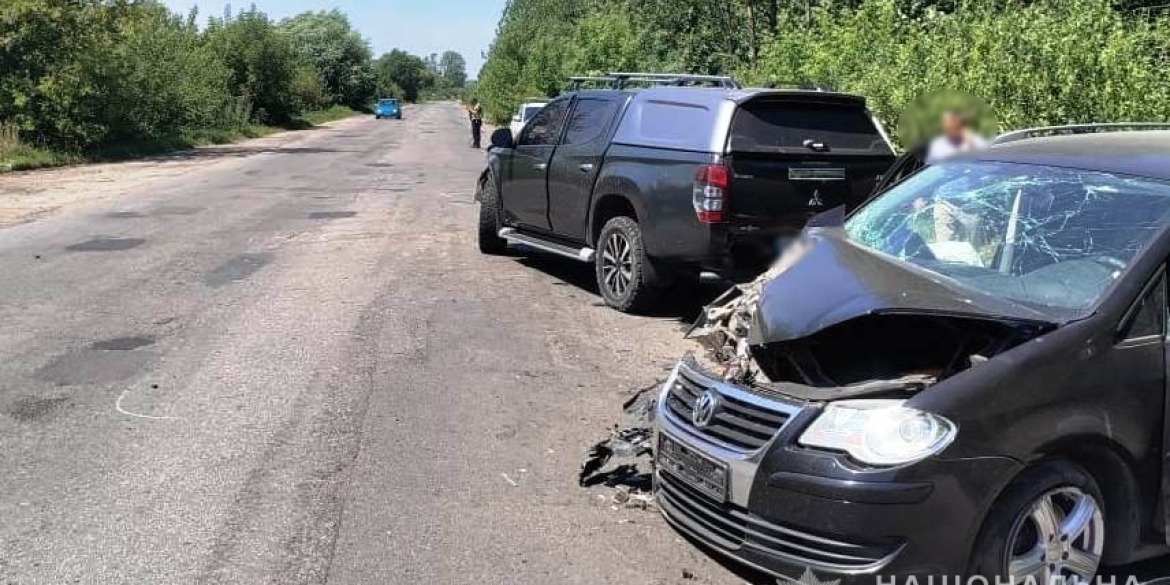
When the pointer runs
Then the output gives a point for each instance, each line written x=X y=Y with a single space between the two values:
x=331 y=214
x=175 y=210
x=94 y=367
x=106 y=245
x=239 y=268
x=32 y=408
x=122 y=343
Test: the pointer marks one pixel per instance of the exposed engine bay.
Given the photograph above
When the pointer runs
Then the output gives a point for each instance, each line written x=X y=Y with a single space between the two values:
x=890 y=351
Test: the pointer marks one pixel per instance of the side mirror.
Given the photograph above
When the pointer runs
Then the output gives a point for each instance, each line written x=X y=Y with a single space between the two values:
x=515 y=118
x=502 y=138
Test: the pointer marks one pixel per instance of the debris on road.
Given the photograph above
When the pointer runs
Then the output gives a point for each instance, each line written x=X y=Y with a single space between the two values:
x=624 y=460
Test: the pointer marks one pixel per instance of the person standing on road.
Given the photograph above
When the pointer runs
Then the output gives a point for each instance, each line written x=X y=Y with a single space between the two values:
x=475 y=114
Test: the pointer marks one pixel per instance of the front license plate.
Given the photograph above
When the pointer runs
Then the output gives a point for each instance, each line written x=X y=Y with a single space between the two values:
x=696 y=469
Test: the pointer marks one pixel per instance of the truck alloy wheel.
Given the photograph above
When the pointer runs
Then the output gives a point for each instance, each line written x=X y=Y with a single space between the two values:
x=617 y=264
x=625 y=275
x=1061 y=535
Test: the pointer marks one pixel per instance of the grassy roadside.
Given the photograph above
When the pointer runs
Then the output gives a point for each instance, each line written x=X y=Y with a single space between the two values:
x=16 y=156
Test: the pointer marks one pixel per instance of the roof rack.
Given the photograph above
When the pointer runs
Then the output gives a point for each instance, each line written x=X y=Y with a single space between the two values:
x=621 y=80
x=1077 y=129
x=801 y=85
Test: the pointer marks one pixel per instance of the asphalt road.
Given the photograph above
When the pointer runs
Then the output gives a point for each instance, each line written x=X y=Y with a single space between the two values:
x=285 y=362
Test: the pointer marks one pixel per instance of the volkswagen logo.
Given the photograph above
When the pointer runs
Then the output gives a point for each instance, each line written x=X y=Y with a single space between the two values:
x=706 y=407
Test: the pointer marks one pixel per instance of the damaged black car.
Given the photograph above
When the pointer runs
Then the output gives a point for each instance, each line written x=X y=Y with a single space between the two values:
x=966 y=376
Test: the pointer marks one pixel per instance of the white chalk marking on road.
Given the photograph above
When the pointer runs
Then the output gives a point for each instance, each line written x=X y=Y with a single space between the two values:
x=118 y=406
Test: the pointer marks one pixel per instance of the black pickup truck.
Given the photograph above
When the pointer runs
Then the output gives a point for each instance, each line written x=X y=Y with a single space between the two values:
x=676 y=180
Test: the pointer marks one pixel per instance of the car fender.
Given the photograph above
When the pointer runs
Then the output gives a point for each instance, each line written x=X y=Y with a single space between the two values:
x=491 y=172
x=605 y=189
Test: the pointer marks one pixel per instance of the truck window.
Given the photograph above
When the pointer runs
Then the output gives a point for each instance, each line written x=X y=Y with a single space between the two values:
x=673 y=124
x=545 y=127
x=590 y=118
x=770 y=125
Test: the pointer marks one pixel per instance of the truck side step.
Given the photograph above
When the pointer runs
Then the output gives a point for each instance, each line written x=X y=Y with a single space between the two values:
x=515 y=237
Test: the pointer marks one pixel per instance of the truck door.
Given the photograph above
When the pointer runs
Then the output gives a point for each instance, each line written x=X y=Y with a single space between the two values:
x=576 y=163
x=525 y=192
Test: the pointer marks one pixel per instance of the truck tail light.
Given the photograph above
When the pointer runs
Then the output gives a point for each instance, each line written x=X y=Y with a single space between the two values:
x=710 y=192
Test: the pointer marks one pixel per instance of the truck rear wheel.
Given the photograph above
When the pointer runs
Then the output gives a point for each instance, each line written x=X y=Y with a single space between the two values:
x=625 y=275
x=490 y=241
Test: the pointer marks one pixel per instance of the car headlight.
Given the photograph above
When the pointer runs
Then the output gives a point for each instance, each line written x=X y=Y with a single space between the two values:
x=880 y=432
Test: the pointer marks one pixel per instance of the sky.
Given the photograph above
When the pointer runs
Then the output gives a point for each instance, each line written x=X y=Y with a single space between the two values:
x=421 y=27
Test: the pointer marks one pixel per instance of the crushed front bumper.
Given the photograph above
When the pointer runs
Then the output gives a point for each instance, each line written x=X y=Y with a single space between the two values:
x=788 y=510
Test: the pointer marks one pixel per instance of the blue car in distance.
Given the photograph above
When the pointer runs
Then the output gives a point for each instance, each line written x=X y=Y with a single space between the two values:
x=388 y=108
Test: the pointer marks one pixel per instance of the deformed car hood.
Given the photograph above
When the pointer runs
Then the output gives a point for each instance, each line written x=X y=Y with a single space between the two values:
x=836 y=280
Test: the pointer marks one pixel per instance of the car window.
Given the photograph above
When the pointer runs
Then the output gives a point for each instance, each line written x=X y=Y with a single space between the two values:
x=529 y=112
x=903 y=168
x=590 y=118
x=545 y=127
x=767 y=125
x=672 y=124
x=1044 y=236
x=1147 y=318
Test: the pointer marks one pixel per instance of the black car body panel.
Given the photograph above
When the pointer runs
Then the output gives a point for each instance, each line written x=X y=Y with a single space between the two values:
x=1024 y=384
x=851 y=281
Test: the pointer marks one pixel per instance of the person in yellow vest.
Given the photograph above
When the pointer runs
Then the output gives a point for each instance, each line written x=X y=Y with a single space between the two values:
x=475 y=114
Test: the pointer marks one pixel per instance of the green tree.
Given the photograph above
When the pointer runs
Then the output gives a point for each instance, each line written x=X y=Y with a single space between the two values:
x=407 y=72
x=341 y=57
x=453 y=69
x=261 y=61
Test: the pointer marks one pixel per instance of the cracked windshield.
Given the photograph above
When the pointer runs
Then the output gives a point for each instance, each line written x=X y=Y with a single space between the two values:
x=585 y=292
x=1044 y=236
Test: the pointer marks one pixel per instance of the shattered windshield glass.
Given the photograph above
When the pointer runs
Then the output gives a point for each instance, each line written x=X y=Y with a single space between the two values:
x=1044 y=236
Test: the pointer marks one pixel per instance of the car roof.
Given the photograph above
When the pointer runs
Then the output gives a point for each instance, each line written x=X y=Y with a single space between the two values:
x=1139 y=153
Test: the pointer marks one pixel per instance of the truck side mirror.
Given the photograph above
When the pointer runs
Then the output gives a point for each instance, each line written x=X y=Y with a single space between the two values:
x=502 y=138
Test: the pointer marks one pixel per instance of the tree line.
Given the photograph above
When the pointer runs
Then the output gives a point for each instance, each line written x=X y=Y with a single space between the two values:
x=1035 y=62
x=80 y=74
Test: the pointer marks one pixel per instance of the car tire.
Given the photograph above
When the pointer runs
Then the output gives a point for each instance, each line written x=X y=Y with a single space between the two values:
x=626 y=277
x=377 y=117
x=1049 y=521
x=490 y=241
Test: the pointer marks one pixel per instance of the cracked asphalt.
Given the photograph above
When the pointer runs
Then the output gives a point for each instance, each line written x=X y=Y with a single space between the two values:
x=285 y=362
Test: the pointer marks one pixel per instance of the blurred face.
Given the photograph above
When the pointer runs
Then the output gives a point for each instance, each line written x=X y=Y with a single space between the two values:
x=953 y=125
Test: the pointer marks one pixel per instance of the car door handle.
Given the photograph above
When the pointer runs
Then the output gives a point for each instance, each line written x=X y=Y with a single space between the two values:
x=585 y=168
x=540 y=166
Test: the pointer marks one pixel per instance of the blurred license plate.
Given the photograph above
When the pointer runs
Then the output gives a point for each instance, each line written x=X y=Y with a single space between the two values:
x=696 y=469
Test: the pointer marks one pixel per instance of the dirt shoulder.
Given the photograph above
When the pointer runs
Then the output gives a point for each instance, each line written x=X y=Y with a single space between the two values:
x=29 y=195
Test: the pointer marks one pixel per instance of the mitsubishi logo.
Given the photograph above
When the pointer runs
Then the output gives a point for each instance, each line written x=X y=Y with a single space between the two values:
x=706 y=407
x=815 y=200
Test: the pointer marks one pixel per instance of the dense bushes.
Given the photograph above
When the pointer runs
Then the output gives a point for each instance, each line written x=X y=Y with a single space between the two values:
x=1051 y=62
x=79 y=75
x=1043 y=62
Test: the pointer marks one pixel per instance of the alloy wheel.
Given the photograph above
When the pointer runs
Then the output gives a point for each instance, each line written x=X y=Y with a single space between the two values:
x=617 y=265
x=1059 y=539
